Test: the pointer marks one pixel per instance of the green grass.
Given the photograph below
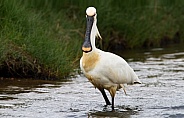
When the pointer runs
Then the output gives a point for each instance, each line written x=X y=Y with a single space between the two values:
x=37 y=43
x=133 y=24
x=42 y=38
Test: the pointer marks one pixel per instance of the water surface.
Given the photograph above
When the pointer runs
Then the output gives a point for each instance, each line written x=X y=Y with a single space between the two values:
x=160 y=96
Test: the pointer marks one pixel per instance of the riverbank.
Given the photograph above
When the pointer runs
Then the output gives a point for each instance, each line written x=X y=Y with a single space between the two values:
x=36 y=43
x=42 y=39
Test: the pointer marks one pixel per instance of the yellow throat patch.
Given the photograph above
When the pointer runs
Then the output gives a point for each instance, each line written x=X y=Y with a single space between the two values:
x=90 y=60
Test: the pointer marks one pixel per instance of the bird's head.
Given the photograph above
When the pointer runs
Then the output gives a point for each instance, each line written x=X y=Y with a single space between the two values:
x=90 y=11
x=91 y=23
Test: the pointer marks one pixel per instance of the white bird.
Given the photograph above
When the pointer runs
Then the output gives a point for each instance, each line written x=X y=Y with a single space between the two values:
x=104 y=70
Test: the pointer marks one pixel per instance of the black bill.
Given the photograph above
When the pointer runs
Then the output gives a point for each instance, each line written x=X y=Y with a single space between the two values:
x=87 y=47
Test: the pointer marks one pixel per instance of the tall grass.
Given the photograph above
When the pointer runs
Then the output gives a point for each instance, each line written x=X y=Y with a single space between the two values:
x=36 y=43
x=130 y=24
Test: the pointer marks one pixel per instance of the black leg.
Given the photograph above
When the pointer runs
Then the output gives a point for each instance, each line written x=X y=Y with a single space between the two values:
x=105 y=97
x=112 y=103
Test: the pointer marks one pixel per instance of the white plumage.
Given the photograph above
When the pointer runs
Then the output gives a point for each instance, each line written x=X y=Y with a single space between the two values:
x=104 y=70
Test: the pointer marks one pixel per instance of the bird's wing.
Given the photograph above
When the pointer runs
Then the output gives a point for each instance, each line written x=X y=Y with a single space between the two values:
x=116 y=69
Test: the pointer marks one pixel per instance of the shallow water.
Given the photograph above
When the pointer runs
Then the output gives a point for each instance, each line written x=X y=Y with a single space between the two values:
x=160 y=96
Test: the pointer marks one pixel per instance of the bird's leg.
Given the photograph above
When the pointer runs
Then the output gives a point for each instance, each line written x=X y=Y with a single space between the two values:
x=112 y=91
x=113 y=103
x=105 y=97
x=122 y=86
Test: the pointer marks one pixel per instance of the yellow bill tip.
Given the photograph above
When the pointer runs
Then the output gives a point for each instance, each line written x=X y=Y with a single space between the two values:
x=86 y=49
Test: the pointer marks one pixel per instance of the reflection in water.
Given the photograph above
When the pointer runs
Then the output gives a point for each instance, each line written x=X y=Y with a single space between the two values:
x=161 y=94
x=120 y=112
x=104 y=114
x=11 y=86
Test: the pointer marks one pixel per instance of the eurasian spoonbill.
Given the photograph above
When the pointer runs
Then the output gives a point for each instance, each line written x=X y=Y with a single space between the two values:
x=104 y=70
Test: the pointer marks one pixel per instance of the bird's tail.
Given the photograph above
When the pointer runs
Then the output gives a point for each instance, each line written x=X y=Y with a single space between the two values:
x=135 y=78
x=137 y=81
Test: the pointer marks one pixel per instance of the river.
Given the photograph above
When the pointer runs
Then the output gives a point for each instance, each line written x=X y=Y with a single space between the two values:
x=161 y=94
